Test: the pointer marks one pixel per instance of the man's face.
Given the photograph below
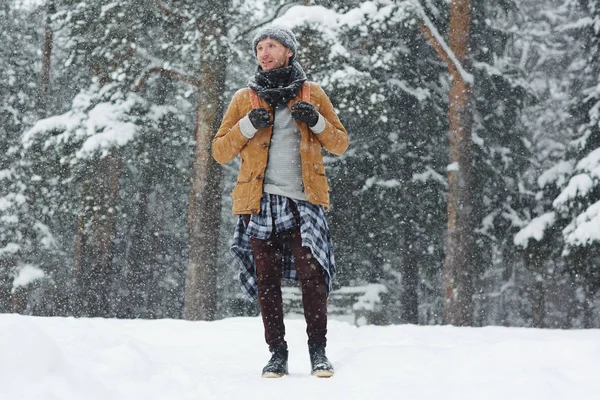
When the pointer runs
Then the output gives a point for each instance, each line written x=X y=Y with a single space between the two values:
x=272 y=55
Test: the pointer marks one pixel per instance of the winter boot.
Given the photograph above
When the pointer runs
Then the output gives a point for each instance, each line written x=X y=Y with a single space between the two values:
x=320 y=365
x=278 y=364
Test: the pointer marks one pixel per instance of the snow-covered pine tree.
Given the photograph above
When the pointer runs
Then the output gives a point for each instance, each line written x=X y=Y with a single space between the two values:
x=557 y=240
x=500 y=155
x=546 y=51
x=578 y=204
x=26 y=244
x=83 y=149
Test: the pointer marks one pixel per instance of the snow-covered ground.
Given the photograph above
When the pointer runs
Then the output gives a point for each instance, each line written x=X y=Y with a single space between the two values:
x=79 y=359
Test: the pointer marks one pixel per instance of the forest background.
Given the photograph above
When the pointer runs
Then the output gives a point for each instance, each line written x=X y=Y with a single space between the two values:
x=111 y=206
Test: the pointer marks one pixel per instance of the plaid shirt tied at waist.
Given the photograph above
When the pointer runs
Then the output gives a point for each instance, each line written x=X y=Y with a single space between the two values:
x=276 y=213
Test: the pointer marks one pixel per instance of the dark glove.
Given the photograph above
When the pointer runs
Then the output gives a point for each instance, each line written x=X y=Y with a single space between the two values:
x=305 y=112
x=259 y=118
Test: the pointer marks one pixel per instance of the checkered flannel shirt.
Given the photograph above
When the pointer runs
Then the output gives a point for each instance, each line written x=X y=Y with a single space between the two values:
x=276 y=213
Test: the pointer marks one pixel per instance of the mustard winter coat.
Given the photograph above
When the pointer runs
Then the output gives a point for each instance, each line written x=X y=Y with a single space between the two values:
x=229 y=142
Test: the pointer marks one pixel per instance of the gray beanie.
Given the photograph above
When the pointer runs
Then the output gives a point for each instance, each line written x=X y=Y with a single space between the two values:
x=283 y=35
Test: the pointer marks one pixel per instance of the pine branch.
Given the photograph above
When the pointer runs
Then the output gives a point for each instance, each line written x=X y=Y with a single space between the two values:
x=277 y=14
x=169 y=12
x=440 y=46
x=166 y=72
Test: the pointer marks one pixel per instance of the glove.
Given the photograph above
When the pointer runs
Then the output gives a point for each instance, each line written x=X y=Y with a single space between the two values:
x=259 y=118
x=305 y=112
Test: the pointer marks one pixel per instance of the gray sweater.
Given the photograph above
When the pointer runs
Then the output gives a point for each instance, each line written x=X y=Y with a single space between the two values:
x=283 y=175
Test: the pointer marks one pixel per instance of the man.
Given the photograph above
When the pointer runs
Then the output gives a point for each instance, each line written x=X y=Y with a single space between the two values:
x=278 y=127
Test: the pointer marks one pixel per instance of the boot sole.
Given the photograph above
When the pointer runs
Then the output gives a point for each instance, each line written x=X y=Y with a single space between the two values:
x=272 y=375
x=322 y=373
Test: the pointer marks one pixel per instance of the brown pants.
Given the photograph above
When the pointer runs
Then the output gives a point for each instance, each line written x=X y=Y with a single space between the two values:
x=269 y=270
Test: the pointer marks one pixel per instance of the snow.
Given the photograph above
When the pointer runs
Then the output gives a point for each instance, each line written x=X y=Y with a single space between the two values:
x=591 y=164
x=534 y=229
x=345 y=77
x=5 y=203
x=579 y=185
x=355 y=18
x=59 y=123
x=585 y=229
x=557 y=174
x=26 y=274
x=98 y=359
x=45 y=236
x=452 y=167
x=579 y=24
x=371 y=299
x=465 y=76
x=331 y=22
x=373 y=12
x=106 y=8
x=108 y=125
x=421 y=94
x=5 y=174
x=28 y=3
x=12 y=200
x=100 y=127
x=430 y=174
x=10 y=249
x=389 y=183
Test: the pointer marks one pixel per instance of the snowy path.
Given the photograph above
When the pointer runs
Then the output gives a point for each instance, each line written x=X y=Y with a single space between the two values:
x=80 y=359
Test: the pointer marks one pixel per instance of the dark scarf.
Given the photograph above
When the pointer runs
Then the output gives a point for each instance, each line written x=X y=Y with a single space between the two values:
x=280 y=85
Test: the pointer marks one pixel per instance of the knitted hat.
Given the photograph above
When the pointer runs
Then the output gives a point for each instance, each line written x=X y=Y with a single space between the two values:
x=283 y=35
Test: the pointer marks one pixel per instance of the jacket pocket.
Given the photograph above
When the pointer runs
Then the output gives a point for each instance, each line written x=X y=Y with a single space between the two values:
x=320 y=184
x=319 y=169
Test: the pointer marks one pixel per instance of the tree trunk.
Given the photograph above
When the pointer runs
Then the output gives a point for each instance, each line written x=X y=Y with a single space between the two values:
x=458 y=263
x=141 y=287
x=138 y=273
x=94 y=247
x=6 y=285
x=535 y=263
x=410 y=281
x=46 y=60
x=539 y=302
x=205 y=196
x=588 y=307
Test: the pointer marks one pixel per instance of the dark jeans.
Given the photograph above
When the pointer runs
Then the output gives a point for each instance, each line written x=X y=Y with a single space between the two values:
x=268 y=259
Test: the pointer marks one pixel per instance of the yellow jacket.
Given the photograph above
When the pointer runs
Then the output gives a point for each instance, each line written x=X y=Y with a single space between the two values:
x=229 y=142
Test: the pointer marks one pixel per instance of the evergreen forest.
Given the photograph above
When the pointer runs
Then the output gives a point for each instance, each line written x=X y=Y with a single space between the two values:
x=470 y=191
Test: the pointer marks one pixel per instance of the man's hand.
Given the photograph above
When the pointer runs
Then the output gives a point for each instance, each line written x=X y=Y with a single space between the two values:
x=259 y=118
x=305 y=112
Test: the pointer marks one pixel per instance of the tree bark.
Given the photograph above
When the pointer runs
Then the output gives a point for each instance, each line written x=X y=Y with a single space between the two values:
x=588 y=307
x=539 y=302
x=459 y=259
x=534 y=262
x=94 y=247
x=205 y=197
x=138 y=273
x=410 y=272
x=410 y=297
x=46 y=60
x=6 y=281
